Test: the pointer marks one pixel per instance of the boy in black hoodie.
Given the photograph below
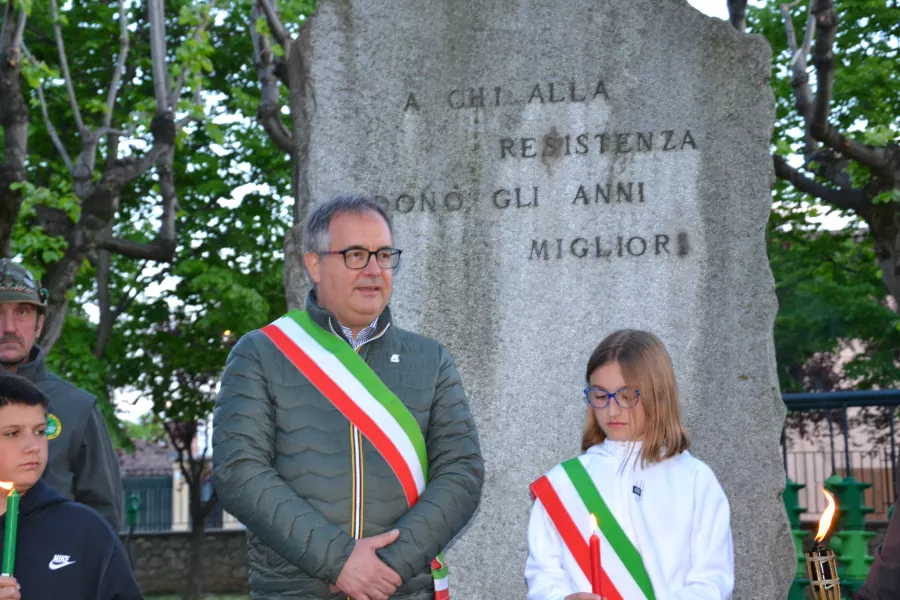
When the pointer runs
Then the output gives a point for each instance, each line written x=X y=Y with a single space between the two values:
x=64 y=549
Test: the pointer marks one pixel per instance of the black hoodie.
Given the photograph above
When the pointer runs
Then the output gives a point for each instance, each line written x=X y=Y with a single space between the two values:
x=66 y=550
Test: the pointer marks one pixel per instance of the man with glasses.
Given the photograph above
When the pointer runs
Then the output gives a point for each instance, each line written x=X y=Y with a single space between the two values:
x=344 y=443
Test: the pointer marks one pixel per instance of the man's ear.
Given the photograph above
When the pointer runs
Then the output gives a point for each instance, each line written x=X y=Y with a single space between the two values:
x=313 y=261
x=40 y=325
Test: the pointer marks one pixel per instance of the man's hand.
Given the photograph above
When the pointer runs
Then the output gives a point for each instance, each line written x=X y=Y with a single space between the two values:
x=364 y=576
x=9 y=589
x=584 y=596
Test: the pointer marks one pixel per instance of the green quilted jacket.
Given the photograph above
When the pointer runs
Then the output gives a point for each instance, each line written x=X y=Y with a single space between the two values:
x=285 y=465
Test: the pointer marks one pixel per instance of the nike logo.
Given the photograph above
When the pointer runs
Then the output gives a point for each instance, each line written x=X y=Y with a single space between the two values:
x=59 y=561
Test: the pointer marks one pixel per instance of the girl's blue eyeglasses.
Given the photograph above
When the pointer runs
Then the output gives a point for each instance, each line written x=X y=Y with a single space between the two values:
x=625 y=397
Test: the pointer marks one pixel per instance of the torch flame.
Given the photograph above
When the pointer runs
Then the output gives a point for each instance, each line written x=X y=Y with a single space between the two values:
x=827 y=516
x=594 y=526
x=7 y=485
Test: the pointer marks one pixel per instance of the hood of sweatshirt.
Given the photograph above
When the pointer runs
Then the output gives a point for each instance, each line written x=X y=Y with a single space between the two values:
x=37 y=499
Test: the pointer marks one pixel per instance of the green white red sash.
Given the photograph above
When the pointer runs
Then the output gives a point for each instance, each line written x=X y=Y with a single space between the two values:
x=345 y=379
x=570 y=497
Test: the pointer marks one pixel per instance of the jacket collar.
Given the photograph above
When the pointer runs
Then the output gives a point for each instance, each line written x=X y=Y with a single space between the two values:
x=327 y=321
x=35 y=369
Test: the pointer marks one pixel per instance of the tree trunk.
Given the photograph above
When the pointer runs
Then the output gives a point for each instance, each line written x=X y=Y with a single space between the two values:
x=14 y=125
x=98 y=211
x=884 y=223
x=737 y=14
x=198 y=518
x=295 y=283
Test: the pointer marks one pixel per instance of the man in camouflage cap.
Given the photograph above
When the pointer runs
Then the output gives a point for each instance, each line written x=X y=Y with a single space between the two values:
x=81 y=464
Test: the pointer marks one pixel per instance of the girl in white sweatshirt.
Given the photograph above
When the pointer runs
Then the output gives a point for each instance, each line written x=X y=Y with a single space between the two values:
x=664 y=520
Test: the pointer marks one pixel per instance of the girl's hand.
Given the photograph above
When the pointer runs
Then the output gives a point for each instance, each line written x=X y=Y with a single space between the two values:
x=584 y=596
x=9 y=589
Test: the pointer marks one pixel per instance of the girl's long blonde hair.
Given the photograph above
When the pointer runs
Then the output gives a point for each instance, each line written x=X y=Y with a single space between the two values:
x=645 y=365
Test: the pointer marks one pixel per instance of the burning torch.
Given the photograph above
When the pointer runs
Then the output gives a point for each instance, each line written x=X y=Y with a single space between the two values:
x=820 y=561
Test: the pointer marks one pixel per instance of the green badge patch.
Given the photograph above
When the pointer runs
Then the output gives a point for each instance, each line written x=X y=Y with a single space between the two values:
x=54 y=426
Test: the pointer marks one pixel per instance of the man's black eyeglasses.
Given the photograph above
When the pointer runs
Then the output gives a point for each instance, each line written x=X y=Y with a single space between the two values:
x=358 y=258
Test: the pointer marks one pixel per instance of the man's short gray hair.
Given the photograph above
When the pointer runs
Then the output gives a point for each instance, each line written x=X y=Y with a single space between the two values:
x=315 y=235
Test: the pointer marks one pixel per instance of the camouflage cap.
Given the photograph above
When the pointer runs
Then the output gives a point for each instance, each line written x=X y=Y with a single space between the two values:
x=17 y=284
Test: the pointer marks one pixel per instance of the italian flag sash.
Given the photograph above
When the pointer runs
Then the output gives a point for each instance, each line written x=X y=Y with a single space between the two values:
x=343 y=377
x=570 y=497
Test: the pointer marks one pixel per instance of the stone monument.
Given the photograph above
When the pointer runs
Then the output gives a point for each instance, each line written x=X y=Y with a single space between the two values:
x=557 y=171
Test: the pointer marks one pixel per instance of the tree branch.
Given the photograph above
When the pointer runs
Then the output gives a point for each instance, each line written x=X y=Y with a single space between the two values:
x=827 y=20
x=280 y=34
x=120 y=67
x=54 y=136
x=131 y=168
x=113 y=131
x=843 y=199
x=166 y=174
x=8 y=14
x=737 y=14
x=872 y=157
x=183 y=121
x=112 y=149
x=156 y=16
x=181 y=435
x=158 y=250
x=104 y=329
x=210 y=504
x=803 y=99
x=19 y=35
x=64 y=65
x=269 y=111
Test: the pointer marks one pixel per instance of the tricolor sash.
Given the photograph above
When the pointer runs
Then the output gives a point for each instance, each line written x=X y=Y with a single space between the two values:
x=344 y=378
x=570 y=497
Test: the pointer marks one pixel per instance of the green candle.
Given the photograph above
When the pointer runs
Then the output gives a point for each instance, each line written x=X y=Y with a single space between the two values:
x=9 y=535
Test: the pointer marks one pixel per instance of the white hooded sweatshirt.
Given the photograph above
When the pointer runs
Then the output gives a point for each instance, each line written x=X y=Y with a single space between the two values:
x=674 y=512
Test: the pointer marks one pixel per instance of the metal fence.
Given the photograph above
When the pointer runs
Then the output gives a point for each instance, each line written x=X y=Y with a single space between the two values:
x=813 y=467
x=876 y=465
x=163 y=505
x=154 y=495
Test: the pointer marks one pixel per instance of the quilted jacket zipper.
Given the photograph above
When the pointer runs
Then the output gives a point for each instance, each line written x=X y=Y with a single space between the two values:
x=356 y=461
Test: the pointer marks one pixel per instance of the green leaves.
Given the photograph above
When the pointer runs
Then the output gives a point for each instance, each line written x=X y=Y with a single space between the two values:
x=887 y=197
x=835 y=325
x=25 y=5
x=31 y=241
x=35 y=72
x=167 y=342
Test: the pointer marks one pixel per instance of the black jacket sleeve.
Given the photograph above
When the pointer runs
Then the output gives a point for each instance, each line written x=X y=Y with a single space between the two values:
x=98 y=482
x=117 y=580
x=883 y=582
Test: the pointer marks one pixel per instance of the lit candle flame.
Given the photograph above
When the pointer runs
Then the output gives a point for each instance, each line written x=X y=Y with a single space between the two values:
x=7 y=485
x=594 y=526
x=827 y=516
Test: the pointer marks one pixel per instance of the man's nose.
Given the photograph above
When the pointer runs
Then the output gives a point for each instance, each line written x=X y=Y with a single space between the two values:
x=7 y=321
x=372 y=269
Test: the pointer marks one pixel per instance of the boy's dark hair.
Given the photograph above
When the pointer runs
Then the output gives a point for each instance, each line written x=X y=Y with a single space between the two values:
x=18 y=390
